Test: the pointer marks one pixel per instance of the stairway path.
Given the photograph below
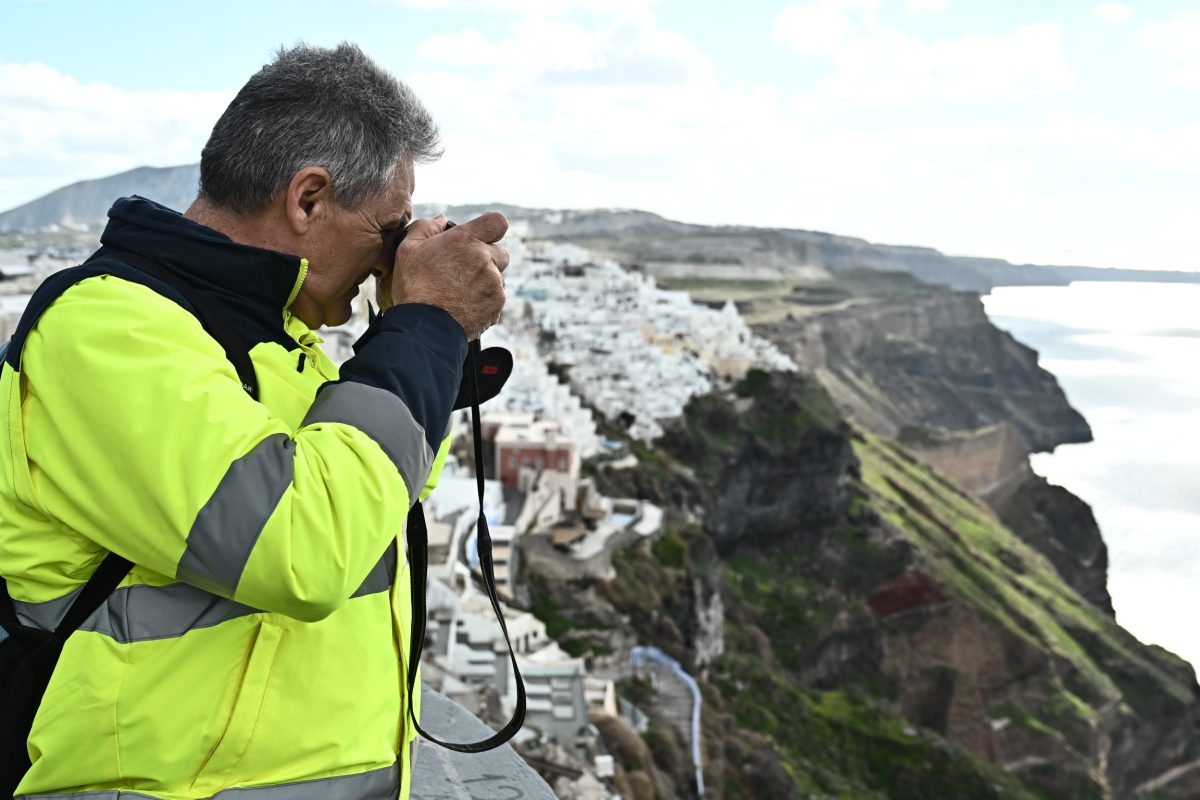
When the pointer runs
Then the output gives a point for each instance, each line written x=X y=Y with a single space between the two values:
x=677 y=698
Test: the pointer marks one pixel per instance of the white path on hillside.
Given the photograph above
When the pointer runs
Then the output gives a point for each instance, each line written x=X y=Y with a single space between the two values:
x=677 y=697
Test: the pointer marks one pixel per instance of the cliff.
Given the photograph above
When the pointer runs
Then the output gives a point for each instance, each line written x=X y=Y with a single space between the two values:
x=925 y=366
x=930 y=358
x=1061 y=527
x=993 y=464
x=893 y=640
x=641 y=237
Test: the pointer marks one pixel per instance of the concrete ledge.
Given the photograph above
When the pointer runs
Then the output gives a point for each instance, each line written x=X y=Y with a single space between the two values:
x=442 y=774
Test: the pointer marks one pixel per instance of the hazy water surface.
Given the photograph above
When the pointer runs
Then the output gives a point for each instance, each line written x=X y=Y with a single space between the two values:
x=1128 y=357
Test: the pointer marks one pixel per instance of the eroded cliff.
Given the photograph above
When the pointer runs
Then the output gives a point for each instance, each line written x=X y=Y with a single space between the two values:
x=924 y=365
x=929 y=358
x=893 y=639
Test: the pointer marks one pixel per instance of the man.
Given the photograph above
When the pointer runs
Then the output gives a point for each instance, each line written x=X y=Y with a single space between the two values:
x=258 y=647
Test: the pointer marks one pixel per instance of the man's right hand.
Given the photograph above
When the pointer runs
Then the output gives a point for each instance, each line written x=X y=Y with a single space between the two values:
x=457 y=270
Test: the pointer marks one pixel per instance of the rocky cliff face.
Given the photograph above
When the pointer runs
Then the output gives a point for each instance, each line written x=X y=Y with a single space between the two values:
x=895 y=640
x=1055 y=674
x=929 y=369
x=1059 y=525
x=932 y=360
x=981 y=639
x=775 y=459
x=992 y=464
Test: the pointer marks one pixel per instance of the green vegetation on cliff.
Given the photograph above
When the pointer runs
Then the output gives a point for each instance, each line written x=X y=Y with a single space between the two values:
x=964 y=545
x=849 y=742
x=884 y=635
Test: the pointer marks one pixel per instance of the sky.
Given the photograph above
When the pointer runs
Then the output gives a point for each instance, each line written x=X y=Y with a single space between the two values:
x=1048 y=131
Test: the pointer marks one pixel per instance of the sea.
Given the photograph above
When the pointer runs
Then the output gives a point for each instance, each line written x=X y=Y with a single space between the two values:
x=1128 y=357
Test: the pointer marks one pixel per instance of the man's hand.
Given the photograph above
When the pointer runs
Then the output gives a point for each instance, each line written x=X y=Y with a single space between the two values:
x=458 y=270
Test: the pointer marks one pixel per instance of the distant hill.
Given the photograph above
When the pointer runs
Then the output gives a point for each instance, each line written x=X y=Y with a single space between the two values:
x=646 y=238
x=87 y=202
x=627 y=234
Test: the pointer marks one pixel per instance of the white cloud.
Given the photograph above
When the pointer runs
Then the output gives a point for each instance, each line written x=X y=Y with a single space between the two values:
x=630 y=48
x=894 y=67
x=561 y=47
x=55 y=129
x=821 y=28
x=1175 y=41
x=1113 y=13
x=554 y=112
x=571 y=125
x=873 y=64
x=625 y=113
x=603 y=8
x=925 y=6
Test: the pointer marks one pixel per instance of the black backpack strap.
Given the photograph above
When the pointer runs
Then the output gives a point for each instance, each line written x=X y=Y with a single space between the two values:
x=99 y=587
x=131 y=266
x=8 y=611
x=418 y=554
x=235 y=349
x=52 y=288
x=114 y=568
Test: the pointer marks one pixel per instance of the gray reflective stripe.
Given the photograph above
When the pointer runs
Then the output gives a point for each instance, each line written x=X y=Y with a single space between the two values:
x=143 y=613
x=103 y=795
x=382 y=574
x=380 y=784
x=47 y=615
x=226 y=529
x=385 y=418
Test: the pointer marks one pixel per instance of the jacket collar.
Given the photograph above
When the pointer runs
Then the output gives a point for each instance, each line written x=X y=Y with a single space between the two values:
x=205 y=257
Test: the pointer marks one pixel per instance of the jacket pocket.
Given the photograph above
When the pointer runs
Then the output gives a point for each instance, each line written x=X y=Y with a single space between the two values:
x=247 y=704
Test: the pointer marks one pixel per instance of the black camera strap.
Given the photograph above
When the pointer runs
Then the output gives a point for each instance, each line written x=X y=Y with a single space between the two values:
x=418 y=557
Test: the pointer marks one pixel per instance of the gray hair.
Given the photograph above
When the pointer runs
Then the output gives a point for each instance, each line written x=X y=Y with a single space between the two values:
x=313 y=106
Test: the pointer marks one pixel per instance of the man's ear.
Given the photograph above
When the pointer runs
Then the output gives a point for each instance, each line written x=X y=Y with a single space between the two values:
x=309 y=198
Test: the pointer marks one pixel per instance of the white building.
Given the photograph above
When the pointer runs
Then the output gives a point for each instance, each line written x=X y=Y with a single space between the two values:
x=465 y=655
x=635 y=352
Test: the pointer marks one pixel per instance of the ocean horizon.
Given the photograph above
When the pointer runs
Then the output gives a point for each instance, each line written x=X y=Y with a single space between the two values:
x=1128 y=357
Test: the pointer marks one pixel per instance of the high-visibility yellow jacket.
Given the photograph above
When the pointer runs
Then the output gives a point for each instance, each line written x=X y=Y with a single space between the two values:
x=257 y=650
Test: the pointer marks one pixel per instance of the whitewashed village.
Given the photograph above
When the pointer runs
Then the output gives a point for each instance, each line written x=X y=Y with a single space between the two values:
x=634 y=355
